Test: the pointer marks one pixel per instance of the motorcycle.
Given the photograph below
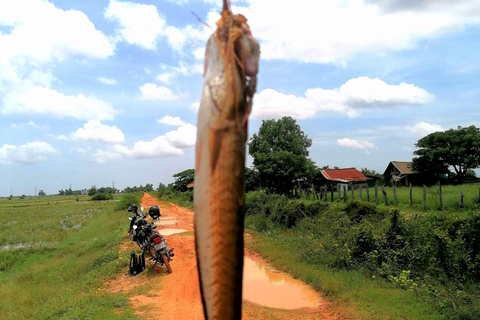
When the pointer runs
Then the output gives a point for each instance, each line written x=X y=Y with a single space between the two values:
x=147 y=238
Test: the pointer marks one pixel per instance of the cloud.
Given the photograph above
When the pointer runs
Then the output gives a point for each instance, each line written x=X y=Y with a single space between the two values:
x=352 y=97
x=184 y=137
x=35 y=40
x=150 y=91
x=44 y=101
x=345 y=29
x=169 y=73
x=171 y=121
x=170 y=144
x=144 y=26
x=94 y=130
x=62 y=137
x=108 y=81
x=355 y=144
x=140 y=24
x=422 y=128
x=29 y=153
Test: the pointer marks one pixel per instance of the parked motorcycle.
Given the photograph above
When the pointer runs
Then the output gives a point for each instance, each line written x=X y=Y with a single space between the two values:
x=147 y=238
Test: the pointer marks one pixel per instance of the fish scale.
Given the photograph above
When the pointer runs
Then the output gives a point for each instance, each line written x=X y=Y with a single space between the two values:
x=231 y=65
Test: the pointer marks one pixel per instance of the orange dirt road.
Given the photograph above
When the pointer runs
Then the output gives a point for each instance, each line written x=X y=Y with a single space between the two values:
x=176 y=296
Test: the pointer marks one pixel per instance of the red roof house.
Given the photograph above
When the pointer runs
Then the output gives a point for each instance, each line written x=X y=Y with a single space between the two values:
x=344 y=175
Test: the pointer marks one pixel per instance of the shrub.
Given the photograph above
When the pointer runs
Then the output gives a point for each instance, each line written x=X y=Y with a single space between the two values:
x=127 y=199
x=102 y=196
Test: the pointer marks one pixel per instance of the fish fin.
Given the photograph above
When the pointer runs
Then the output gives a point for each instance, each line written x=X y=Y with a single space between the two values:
x=215 y=138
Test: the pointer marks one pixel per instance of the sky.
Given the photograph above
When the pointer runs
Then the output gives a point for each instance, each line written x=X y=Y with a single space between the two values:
x=106 y=92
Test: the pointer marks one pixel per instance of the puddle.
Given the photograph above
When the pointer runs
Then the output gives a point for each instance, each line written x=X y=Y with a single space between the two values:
x=167 y=232
x=268 y=287
x=167 y=221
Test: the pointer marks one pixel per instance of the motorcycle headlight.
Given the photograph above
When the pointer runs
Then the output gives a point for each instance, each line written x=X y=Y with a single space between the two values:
x=134 y=227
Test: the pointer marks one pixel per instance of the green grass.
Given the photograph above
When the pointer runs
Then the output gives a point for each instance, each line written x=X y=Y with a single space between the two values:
x=69 y=248
x=364 y=296
x=450 y=197
x=357 y=252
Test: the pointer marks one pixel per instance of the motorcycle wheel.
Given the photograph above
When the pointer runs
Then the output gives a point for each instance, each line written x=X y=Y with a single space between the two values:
x=167 y=263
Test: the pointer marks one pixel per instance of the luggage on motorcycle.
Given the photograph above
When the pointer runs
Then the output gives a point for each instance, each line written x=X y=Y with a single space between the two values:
x=137 y=263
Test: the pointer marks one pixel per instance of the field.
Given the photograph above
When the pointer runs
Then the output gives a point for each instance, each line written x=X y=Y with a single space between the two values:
x=54 y=255
x=450 y=197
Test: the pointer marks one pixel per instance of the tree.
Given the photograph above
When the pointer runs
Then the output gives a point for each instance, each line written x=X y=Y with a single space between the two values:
x=41 y=193
x=458 y=148
x=252 y=179
x=280 y=154
x=182 y=179
x=92 y=190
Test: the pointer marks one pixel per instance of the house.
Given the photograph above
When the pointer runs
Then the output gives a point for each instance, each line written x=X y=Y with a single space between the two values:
x=401 y=173
x=343 y=178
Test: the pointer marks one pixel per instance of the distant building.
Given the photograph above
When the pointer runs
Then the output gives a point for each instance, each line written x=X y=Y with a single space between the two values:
x=343 y=178
x=401 y=174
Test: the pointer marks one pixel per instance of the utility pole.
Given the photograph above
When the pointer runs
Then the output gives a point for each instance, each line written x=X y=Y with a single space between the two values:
x=113 y=186
x=35 y=192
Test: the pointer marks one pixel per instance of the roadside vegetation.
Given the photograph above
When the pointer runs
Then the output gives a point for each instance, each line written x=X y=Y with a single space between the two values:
x=385 y=264
x=55 y=255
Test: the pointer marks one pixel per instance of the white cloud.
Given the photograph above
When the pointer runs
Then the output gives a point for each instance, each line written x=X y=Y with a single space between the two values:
x=184 y=137
x=140 y=24
x=171 y=143
x=344 y=29
x=36 y=24
x=94 y=130
x=422 y=128
x=108 y=81
x=353 y=96
x=150 y=91
x=171 y=121
x=29 y=153
x=355 y=144
x=43 y=101
x=35 y=39
x=28 y=124
x=169 y=73
x=62 y=137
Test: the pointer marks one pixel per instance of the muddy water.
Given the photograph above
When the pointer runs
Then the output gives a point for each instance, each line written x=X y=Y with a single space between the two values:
x=168 y=231
x=267 y=287
x=167 y=221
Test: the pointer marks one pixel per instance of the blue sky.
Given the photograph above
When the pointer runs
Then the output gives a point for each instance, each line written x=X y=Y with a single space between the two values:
x=93 y=92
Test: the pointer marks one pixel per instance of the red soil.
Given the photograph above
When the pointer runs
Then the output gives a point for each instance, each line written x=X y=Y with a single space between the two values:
x=176 y=296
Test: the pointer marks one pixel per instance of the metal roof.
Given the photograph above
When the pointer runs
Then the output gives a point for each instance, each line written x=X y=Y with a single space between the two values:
x=343 y=175
x=405 y=167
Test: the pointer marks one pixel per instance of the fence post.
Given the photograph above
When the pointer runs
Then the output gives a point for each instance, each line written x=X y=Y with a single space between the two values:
x=339 y=192
x=424 y=200
x=460 y=204
x=376 y=195
x=353 y=192
x=411 y=199
x=395 y=194
x=368 y=194
x=385 y=195
x=344 y=194
x=331 y=194
x=441 y=200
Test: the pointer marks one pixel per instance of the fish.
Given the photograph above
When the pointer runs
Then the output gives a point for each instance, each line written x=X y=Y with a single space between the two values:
x=230 y=77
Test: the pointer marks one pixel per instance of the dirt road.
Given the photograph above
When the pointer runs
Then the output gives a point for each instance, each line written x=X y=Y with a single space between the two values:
x=177 y=295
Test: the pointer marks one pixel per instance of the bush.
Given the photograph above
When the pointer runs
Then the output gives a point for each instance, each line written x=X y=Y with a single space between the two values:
x=127 y=199
x=102 y=196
